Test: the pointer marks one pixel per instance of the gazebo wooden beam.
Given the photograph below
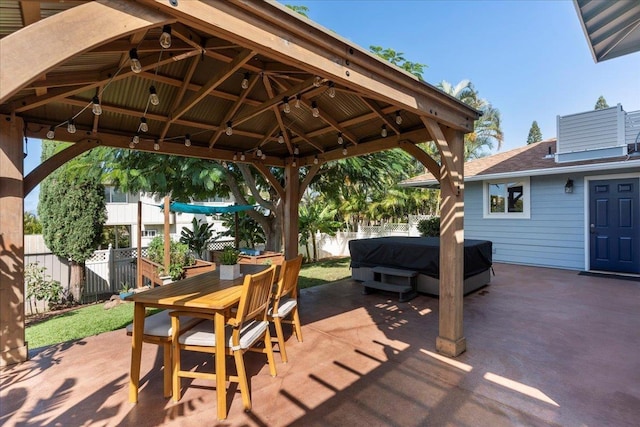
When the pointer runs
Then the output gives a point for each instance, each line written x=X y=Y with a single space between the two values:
x=35 y=52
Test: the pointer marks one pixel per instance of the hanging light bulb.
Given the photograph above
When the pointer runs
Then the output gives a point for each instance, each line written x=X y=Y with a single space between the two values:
x=296 y=150
x=245 y=81
x=131 y=144
x=340 y=138
x=344 y=151
x=332 y=90
x=229 y=129
x=259 y=153
x=242 y=157
x=51 y=133
x=136 y=66
x=281 y=138
x=383 y=132
x=318 y=81
x=156 y=145
x=187 y=140
x=165 y=37
x=144 y=127
x=96 y=107
x=135 y=139
x=153 y=95
x=263 y=157
x=298 y=103
x=285 y=105
x=398 y=118
x=71 y=126
x=315 y=160
x=235 y=156
x=314 y=109
x=294 y=163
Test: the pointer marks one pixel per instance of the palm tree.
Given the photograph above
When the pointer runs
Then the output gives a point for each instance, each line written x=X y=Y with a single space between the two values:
x=316 y=215
x=487 y=129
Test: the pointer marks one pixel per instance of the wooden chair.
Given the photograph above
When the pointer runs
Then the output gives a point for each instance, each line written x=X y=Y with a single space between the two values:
x=285 y=302
x=248 y=327
x=157 y=330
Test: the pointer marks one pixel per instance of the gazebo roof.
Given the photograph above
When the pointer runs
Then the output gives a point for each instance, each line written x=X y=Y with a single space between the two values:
x=199 y=81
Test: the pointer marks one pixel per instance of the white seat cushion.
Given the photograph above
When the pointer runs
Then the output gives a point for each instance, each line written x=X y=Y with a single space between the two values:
x=159 y=324
x=285 y=307
x=203 y=335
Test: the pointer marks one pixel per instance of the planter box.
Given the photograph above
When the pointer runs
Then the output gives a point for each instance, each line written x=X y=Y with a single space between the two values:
x=229 y=272
x=150 y=269
x=265 y=257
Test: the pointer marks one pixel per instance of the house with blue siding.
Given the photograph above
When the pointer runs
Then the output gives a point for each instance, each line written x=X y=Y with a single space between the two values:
x=571 y=202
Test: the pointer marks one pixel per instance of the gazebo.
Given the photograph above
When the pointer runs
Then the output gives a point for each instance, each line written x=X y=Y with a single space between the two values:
x=238 y=81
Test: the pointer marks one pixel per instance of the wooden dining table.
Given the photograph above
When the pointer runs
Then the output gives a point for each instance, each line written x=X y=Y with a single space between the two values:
x=202 y=293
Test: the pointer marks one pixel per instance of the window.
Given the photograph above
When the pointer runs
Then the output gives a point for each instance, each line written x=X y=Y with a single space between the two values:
x=507 y=198
x=113 y=195
x=148 y=233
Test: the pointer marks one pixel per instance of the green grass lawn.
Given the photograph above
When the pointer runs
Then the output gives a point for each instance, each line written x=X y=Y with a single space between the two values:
x=94 y=319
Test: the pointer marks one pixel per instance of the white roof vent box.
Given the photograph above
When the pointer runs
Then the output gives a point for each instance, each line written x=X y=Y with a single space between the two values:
x=596 y=134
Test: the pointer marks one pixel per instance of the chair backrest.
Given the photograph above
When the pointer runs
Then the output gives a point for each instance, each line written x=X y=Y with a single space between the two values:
x=288 y=280
x=255 y=298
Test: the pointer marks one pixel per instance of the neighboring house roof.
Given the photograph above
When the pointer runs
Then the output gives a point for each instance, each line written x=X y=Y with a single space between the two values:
x=530 y=160
x=612 y=28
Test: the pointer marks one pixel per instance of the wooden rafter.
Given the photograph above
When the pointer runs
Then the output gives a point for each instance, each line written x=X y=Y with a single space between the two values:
x=381 y=115
x=239 y=101
x=183 y=89
x=223 y=74
x=333 y=123
x=276 y=112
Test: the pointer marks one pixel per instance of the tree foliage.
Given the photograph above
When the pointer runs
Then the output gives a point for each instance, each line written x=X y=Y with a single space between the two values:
x=32 y=224
x=302 y=10
x=398 y=59
x=601 y=103
x=198 y=238
x=316 y=216
x=72 y=211
x=487 y=130
x=535 y=135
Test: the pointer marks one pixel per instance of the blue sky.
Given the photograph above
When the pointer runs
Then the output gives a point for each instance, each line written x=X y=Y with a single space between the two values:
x=530 y=59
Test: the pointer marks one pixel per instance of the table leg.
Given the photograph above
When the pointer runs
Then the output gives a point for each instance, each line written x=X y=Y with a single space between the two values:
x=221 y=374
x=136 y=351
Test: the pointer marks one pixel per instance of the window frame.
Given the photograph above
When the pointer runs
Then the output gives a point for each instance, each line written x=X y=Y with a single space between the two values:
x=110 y=192
x=526 y=199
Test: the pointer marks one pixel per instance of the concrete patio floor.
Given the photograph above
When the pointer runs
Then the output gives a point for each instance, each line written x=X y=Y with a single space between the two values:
x=544 y=347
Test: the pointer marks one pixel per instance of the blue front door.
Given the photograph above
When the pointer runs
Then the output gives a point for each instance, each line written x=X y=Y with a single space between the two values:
x=614 y=221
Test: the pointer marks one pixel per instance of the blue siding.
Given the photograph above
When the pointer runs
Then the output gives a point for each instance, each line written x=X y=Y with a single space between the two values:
x=552 y=237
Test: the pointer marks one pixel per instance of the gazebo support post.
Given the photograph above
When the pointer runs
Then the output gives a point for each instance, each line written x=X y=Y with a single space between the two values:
x=451 y=341
x=167 y=235
x=13 y=348
x=291 y=201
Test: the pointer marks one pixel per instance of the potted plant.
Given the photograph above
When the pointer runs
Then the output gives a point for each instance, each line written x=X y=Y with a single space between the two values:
x=229 y=267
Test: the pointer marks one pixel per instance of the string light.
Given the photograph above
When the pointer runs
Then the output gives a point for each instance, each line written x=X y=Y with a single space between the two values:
x=332 y=90
x=242 y=157
x=52 y=132
x=344 y=151
x=144 y=127
x=294 y=163
x=314 y=109
x=296 y=150
x=71 y=126
x=281 y=138
x=136 y=66
x=153 y=95
x=131 y=144
x=235 y=156
x=156 y=145
x=259 y=153
x=96 y=107
x=229 y=130
x=165 y=37
x=285 y=106
x=245 y=81
x=135 y=139
x=340 y=138
x=398 y=118
x=318 y=81
x=263 y=157
x=187 y=140
x=298 y=103
x=383 y=132
x=315 y=160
